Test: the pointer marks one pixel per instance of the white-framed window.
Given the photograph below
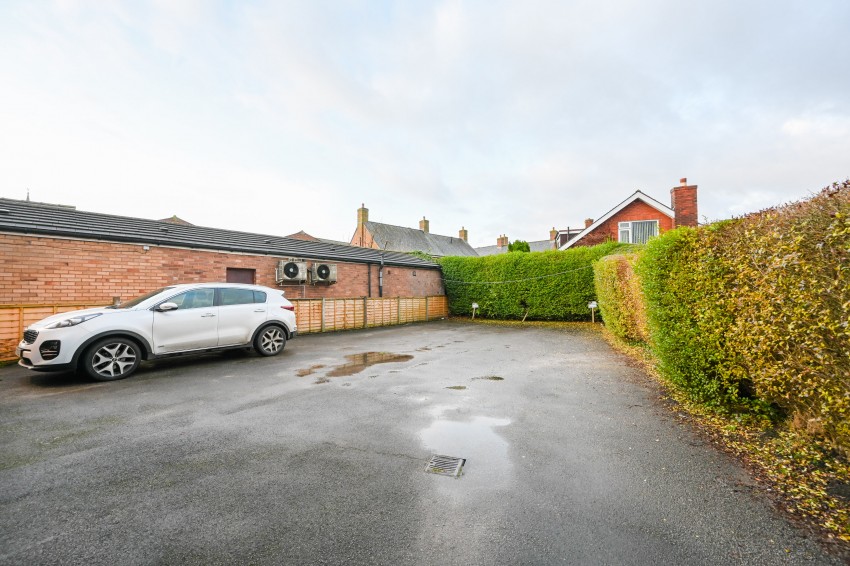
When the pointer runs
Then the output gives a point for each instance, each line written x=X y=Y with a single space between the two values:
x=637 y=231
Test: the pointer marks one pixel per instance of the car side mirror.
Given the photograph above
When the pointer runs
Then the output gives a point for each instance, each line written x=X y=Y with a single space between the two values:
x=165 y=307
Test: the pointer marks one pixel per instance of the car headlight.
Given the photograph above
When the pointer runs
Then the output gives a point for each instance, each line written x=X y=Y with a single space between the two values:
x=73 y=321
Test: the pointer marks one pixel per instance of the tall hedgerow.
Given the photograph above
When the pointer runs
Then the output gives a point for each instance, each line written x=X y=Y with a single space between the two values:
x=552 y=285
x=791 y=285
x=690 y=313
x=756 y=310
x=620 y=297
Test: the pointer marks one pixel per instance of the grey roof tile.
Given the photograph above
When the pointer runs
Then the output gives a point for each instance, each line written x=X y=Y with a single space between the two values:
x=538 y=246
x=401 y=239
x=491 y=250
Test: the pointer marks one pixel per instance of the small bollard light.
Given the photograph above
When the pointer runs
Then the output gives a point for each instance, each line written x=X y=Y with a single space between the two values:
x=474 y=308
x=592 y=305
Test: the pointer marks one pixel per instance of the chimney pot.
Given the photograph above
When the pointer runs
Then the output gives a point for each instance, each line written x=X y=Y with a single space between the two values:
x=684 y=181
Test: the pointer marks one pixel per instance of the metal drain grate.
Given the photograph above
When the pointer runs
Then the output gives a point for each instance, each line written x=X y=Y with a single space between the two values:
x=445 y=465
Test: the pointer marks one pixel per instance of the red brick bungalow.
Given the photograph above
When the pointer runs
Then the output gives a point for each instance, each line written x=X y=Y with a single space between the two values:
x=53 y=254
x=639 y=218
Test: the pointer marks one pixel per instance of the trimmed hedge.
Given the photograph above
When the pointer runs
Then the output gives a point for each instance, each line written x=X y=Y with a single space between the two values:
x=689 y=315
x=749 y=311
x=621 y=301
x=791 y=286
x=551 y=285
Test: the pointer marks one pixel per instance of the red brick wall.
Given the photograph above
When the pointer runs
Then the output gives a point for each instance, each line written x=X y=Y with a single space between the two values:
x=638 y=210
x=363 y=238
x=38 y=270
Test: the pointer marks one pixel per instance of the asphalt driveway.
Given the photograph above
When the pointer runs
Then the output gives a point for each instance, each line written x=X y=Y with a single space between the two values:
x=318 y=456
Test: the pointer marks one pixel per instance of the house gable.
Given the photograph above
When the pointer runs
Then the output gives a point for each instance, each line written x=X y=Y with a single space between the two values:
x=637 y=207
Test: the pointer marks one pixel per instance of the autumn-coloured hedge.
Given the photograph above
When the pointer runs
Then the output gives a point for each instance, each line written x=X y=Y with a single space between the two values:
x=758 y=309
x=552 y=285
x=620 y=297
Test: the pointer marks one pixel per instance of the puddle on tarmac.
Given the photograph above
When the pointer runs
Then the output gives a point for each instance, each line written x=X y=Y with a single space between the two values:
x=486 y=452
x=359 y=362
x=307 y=371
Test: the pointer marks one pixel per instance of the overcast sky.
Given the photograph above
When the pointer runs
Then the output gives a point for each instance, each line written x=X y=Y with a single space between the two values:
x=503 y=117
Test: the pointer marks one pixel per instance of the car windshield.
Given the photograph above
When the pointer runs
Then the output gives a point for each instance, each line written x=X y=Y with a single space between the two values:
x=138 y=300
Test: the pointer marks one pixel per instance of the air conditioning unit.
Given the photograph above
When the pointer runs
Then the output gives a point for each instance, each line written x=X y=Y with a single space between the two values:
x=323 y=273
x=291 y=271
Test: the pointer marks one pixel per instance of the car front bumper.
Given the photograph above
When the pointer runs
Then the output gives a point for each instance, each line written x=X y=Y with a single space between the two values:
x=24 y=352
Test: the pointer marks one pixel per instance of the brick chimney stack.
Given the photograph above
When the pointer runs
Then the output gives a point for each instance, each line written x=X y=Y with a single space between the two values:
x=362 y=215
x=362 y=219
x=423 y=225
x=683 y=201
x=463 y=234
x=588 y=222
x=553 y=238
x=502 y=241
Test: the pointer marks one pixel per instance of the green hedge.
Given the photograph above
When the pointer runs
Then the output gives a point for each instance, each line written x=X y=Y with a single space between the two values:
x=552 y=285
x=750 y=311
x=621 y=301
x=791 y=289
x=689 y=315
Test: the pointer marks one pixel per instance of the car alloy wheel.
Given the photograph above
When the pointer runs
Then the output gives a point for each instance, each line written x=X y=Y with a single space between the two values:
x=112 y=358
x=270 y=341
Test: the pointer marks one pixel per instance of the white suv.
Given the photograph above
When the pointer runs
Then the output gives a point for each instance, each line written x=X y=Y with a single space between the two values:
x=110 y=342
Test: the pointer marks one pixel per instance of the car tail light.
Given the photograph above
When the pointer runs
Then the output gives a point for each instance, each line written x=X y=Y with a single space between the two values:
x=288 y=307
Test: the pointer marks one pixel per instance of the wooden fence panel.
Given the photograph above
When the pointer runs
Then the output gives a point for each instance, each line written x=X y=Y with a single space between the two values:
x=318 y=315
x=14 y=318
x=438 y=307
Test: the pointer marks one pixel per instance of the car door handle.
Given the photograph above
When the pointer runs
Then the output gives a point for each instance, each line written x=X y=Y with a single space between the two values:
x=209 y=314
x=260 y=310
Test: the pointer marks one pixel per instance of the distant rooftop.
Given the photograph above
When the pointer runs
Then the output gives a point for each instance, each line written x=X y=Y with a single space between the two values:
x=401 y=239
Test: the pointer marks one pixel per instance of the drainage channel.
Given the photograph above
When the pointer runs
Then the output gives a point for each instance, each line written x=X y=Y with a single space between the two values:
x=445 y=465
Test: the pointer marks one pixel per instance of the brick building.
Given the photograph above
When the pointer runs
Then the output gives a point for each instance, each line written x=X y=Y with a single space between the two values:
x=52 y=254
x=637 y=219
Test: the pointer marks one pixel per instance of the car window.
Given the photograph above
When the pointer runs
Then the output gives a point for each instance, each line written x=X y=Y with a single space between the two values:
x=194 y=299
x=259 y=297
x=139 y=300
x=235 y=296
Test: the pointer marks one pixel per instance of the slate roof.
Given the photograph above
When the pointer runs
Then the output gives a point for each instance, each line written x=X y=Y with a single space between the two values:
x=491 y=250
x=302 y=235
x=401 y=239
x=23 y=217
x=538 y=246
